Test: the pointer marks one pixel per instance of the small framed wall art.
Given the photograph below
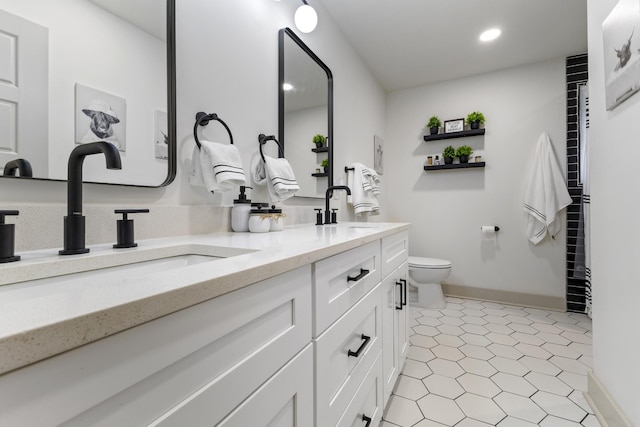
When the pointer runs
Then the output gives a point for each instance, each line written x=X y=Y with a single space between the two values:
x=451 y=126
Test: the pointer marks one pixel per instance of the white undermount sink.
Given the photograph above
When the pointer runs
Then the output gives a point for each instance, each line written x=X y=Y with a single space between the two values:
x=112 y=266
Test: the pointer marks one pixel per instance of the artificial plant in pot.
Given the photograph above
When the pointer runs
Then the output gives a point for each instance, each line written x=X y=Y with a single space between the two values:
x=325 y=165
x=463 y=152
x=475 y=119
x=434 y=125
x=319 y=140
x=448 y=154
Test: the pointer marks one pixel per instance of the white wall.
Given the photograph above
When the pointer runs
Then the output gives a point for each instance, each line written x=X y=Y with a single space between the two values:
x=615 y=244
x=447 y=208
x=227 y=63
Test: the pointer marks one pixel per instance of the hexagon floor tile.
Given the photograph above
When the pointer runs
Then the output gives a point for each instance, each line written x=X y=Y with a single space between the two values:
x=477 y=363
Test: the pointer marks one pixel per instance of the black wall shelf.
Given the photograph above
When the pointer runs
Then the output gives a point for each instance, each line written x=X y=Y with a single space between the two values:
x=455 y=166
x=461 y=134
x=320 y=175
x=320 y=150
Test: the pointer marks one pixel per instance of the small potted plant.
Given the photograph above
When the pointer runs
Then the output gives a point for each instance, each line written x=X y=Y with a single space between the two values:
x=319 y=140
x=434 y=125
x=325 y=165
x=475 y=119
x=448 y=154
x=463 y=152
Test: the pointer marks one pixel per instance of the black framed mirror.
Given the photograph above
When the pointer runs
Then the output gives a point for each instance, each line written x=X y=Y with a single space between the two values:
x=89 y=70
x=305 y=105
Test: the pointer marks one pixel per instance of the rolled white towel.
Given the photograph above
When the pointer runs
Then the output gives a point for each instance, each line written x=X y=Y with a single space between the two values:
x=217 y=167
x=278 y=176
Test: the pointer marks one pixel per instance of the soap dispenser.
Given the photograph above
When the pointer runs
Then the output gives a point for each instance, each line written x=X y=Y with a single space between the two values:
x=7 y=238
x=240 y=211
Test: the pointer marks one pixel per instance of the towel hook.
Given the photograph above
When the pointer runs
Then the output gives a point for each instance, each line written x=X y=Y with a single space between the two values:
x=262 y=139
x=202 y=119
x=347 y=169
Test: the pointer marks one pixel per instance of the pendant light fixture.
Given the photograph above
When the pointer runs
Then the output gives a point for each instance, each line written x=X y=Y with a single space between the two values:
x=306 y=18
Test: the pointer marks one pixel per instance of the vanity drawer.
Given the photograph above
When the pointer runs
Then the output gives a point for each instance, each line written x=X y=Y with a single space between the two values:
x=341 y=280
x=344 y=354
x=367 y=402
x=394 y=251
x=212 y=355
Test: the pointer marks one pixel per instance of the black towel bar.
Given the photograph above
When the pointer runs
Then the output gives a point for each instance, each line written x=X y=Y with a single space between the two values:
x=262 y=139
x=347 y=169
x=203 y=119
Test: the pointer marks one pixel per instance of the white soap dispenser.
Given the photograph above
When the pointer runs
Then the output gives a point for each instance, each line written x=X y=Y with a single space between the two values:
x=240 y=211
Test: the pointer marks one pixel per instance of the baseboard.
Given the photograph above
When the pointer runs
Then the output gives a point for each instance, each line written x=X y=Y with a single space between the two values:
x=505 y=297
x=604 y=407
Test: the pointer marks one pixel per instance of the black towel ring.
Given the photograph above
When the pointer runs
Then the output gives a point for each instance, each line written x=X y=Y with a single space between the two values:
x=202 y=119
x=262 y=139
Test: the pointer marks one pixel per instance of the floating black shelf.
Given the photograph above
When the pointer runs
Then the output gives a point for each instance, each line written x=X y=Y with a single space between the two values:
x=320 y=175
x=461 y=134
x=320 y=150
x=455 y=166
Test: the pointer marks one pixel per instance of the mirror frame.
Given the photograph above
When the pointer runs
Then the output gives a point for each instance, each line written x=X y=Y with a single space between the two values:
x=171 y=111
x=281 y=38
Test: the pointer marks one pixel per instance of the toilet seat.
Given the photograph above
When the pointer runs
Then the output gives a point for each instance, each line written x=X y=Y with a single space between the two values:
x=428 y=263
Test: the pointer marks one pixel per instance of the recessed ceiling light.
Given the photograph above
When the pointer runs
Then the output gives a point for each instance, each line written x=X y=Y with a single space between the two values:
x=491 y=34
x=287 y=86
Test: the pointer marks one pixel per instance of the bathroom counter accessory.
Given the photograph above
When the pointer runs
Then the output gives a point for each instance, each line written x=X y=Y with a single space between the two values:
x=39 y=319
x=461 y=134
x=455 y=166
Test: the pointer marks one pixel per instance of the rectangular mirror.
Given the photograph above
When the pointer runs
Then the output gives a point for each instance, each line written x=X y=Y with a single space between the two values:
x=305 y=110
x=77 y=71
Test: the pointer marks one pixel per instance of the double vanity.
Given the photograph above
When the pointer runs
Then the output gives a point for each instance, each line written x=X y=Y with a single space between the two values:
x=307 y=327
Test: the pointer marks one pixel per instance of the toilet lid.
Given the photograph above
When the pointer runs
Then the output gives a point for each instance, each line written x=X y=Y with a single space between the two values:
x=433 y=263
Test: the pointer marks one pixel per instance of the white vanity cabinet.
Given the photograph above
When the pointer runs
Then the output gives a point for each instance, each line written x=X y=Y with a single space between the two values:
x=395 y=309
x=190 y=368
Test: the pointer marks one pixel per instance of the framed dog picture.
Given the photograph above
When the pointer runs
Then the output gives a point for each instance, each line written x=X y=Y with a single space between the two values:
x=100 y=116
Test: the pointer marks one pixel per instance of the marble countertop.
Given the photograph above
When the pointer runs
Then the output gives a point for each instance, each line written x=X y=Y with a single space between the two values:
x=40 y=317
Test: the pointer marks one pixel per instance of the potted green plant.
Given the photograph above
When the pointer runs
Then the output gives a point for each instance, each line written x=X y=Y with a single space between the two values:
x=463 y=152
x=434 y=125
x=319 y=140
x=475 y=119
x=325 y=165
x=448 y=154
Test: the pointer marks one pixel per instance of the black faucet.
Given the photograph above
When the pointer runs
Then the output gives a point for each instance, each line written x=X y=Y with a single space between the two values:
x=327 y=196
x=74 y=221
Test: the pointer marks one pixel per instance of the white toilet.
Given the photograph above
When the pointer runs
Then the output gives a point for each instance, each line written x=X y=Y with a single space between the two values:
x=426 y=274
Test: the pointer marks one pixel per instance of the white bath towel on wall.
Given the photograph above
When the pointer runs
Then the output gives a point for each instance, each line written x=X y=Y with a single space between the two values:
x=363 y=182
x=278 y=176
x=546 y=193
x=217 y=167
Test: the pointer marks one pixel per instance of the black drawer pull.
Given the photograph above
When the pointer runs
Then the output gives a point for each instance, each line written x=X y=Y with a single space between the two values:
x=399 y=307
x=404 y=299
x=367 y=419
x=362 y=346
x=363 y=273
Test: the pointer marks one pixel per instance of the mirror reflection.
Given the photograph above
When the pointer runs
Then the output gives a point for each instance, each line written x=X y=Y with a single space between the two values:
x=78 y=71
x=306 y=122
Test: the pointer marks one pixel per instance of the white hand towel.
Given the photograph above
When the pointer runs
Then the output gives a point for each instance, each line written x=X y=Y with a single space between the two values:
x=546 y=193
x=278 y=176
x=362 y=197
x=217 y=166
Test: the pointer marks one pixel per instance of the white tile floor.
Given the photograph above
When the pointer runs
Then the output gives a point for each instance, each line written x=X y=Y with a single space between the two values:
x=478 y=363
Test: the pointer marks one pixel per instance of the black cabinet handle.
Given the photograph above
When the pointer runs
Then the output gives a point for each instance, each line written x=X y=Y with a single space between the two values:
x=363 y=273
x=362 y=346
x=404 y=284
x=367 y=419
x=399 y=307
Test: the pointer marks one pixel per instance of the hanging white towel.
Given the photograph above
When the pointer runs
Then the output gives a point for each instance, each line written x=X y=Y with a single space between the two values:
x=217 y=167
x=363 y=182
x=278 y=176
x=546 y=193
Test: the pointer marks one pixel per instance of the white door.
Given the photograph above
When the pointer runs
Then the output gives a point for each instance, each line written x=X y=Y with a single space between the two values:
x=24 y=87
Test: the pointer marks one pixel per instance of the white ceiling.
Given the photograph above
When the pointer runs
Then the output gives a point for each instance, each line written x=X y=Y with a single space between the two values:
x=409 y=43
